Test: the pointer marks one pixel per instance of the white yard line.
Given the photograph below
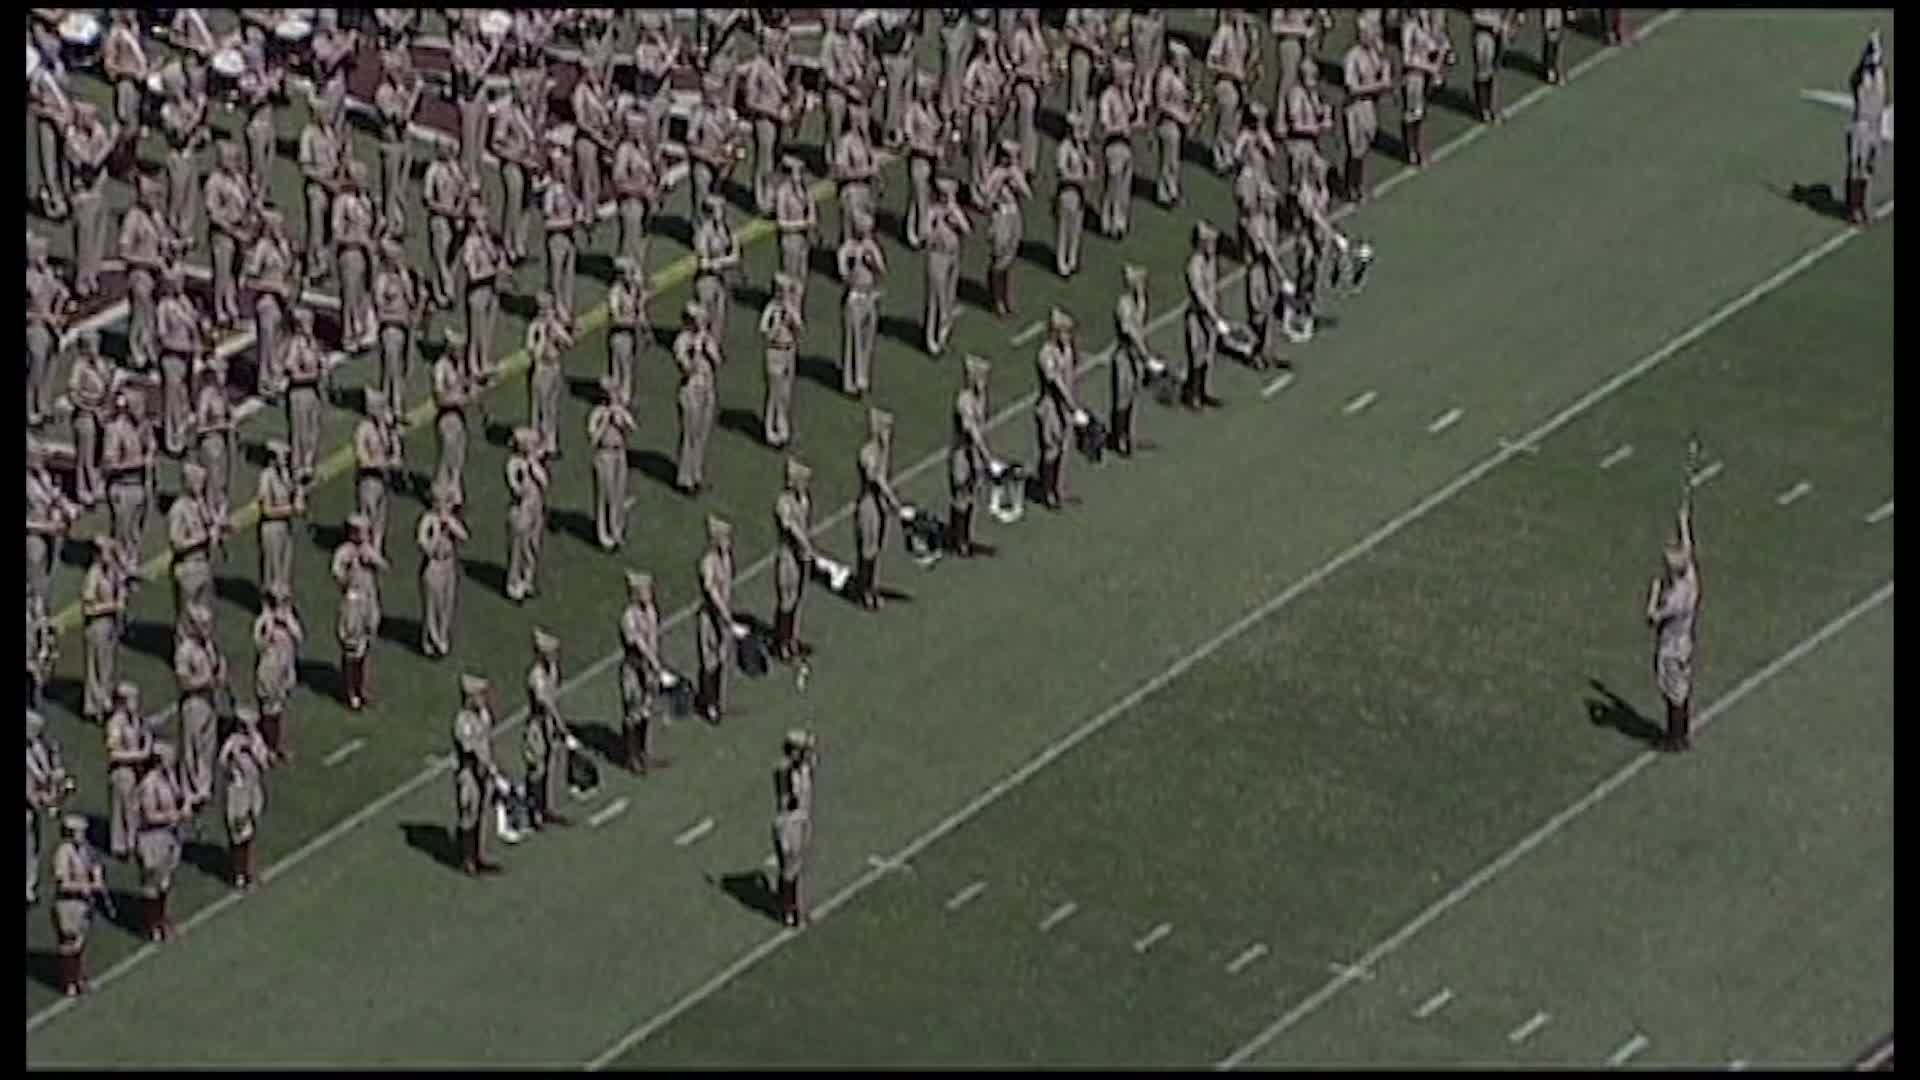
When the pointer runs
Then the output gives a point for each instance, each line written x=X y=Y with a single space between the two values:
x=1628 y=1051
x=1277 y=385
x=1246 y=957
x=1620 y=454
x=1706 y=475
x=1883 y=513
x=1526 y=1031
x=1553 y=825
x=1444 y=421
x=1033 y=330
x=342 y=754
x=966 y=896
x=1353 y=971
x=1874 y=1060
x=1361 y=403
x=1153 y=937
x=1794 y=494
x=693 y=834
x=1433 y=1004
x=607 y=813
x=1737 y=1065
x=1359 y=550
x=1058 y=915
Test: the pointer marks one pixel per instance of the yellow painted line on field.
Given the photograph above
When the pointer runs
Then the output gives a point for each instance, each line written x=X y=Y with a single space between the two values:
x=342 y=460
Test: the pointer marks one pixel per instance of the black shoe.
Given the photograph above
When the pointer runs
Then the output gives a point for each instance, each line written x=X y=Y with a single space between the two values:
x=1212 y=402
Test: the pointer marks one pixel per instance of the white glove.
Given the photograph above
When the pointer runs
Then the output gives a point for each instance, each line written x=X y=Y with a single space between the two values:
x=739 y=630
x=1080 y=418
x=573 y=743
x=1340 y=241
x=1220 y=326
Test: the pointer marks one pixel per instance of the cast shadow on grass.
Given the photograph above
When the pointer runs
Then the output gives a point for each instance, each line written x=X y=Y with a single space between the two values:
x=402 y=631
x=819 y=369
x=1608 y=709
x=753 y=298
x=320 y=677
x=1530 y=62
x=43 y=967
x=76 y=553
x=69 y=694
x=326 y=535
x=208 y=858
x=597 y=265
x=575 y=524
x=239 y=592
x=155 y=639
x=674 y=227
x=905 y=331
x=520 y=305
x=1818 y=198
x=433 y=841
x=751 y=890
x=1039 y=254
x=490 y=575
x=605 y=742
x=973 y=293
x=1450 y=97
x=585 y=388
x=742 y=422
x=654 y=465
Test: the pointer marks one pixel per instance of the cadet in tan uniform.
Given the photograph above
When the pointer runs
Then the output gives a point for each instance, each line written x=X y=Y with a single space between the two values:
x=717 y=256
x=798 y=220
x=182 y=342
x=228 y=209
x=89 y=144
x=876 y=506
x=48 y=300
x=485 y=265
x=854 y=169
x=764 y=85
x=1228 y=54
x=377 y=454
x=183 y=119
x=1173 y=114
x=1129 y=358
x=87 y=393
x=608 y=428
x=1203 y=318
x=42 y=651
x=636 y=184
x=214 y=437
x=261 y=83
x=515 y=141
x=545 y=739
x=1863 y=131
x=321 y=155
x=1552 y=20
x=305 y=370
x=793 y=822
x=277 y=637
x=958 y=30
x=780 y=324
x=527 y=482
x=145 y=245
x=947 y=227
x=1147 y=33
x=710 y=136
x=474 y=772
x=642 y=675
x=129 y=753
x=268 y=274
x=1490 y=28
x=451 y=390
x=1423 y=53
x=626 y=326
x=357 y=565
x=696 y=355
x=51 y=107
x=103 y=598
x=924 y=137
x=281 y=500
x=969 y=458
x=985 y=95
x=793 y=559
x=1266 y=282
x=78 y=882
x=846 y=69
x=566 y=222
x=200 y=672
x=162 y=808
x=444 y=191
x=1313 y=235
x=398 y=308
x=716 y=623
x=243 y=768
x=46 y=788
x=1027 y=57
x=440 y=535
x=1368 y=75
x=50 y=514
x=547 y=340
x=1307 y=117
x=128 y=461
x=862 y=266
x=1116 y=109
x=396 y=100
x=353 y=259
x=1006 y=191
x=1073 y=166
x=193 y=531
x=1056 y=412
x=1673 y=610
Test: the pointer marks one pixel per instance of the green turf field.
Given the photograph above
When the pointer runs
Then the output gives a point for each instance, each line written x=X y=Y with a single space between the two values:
x=1288 y=681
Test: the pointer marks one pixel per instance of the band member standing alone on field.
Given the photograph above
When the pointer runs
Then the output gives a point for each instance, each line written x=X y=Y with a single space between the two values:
x=1673 y=609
